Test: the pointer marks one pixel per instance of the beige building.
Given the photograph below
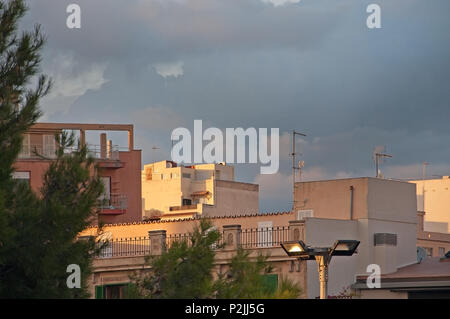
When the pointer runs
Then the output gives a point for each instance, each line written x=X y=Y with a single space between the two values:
x=187 y=191
x=433 y=198
x=380 y=213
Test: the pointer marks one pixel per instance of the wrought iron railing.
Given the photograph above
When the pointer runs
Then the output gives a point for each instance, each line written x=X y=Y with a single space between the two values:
x=249 y=239
x=264 y=237
x=138 y=246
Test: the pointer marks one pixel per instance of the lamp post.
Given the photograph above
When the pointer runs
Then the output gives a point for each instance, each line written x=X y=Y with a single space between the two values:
x=322 y=255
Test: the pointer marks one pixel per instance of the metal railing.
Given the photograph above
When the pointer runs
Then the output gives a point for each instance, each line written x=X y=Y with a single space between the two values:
x=264 y=237
x=249 y=238
x=114 y=201
x=34 y=151
x=138 y=246
x=170 y=239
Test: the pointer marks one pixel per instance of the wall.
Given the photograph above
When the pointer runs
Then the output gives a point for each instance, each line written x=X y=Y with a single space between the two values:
x=234 y=198
x=435 y=202
x=331 y=199
x=183 y=226
x=323 y=233
x=128 y=182
x=118 y=270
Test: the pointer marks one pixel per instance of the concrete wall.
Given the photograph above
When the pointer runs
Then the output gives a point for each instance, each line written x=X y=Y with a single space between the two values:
x=323 y=233
x=433 y=197
x=358 y=208
x=332 y=199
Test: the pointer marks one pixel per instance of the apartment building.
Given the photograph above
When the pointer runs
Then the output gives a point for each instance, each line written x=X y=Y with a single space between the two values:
x=433 y=198
x=380 y=213
x=171 y=191
x=120 y=168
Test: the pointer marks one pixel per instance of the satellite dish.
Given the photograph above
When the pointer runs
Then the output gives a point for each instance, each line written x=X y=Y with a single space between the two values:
x=421 y=254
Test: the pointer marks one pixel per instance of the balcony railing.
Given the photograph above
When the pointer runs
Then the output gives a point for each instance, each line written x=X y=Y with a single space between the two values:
x=264 y=237
x=123 y=247
x=251 y=238
x=37 y=151
x=114 y=202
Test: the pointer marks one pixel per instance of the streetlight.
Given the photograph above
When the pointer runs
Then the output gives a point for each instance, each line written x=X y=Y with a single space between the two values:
x=322 y=255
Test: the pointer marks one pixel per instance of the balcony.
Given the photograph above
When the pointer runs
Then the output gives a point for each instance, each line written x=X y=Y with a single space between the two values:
x=40 y=151
x=114 y=204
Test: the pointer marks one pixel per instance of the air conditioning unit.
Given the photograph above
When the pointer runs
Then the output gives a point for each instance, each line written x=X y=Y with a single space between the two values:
x=302 y=214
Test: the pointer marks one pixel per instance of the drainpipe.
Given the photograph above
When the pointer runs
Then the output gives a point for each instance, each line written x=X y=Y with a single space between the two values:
x=351 y=202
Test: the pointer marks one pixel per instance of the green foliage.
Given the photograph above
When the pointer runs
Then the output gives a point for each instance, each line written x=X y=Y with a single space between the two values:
x=184 y=271
x=246 y=279
x=35 y=259
x=38 y=231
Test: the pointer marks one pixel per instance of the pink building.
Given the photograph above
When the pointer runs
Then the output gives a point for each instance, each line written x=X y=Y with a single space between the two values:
x=120 y=168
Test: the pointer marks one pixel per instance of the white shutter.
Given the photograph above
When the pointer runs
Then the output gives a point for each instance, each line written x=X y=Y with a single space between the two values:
x=49 y=146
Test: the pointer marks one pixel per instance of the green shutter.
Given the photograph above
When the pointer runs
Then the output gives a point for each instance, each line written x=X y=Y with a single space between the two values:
x=99 y=292
x=270 y=282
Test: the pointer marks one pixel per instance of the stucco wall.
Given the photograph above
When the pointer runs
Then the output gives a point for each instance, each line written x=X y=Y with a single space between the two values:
x=435 y=203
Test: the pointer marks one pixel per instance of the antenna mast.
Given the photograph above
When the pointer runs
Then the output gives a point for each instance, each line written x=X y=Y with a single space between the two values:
x=294 y=168
x=378 y=157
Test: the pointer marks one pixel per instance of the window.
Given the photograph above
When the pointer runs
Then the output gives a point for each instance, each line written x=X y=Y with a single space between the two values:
x=305 y=213
x=22 y=177
x=186 y=175
x=186 y=202
x=441 y=251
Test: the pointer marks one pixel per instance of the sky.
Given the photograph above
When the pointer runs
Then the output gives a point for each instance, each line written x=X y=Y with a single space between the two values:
x=308 y=65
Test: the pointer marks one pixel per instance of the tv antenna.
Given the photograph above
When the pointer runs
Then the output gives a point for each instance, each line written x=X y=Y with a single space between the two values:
x=294 y=168
x=378 y=156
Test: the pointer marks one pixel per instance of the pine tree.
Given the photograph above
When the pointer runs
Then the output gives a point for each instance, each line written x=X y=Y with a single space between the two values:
x=38 y=232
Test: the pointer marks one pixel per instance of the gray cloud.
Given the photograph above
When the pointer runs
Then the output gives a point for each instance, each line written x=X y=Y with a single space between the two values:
x=311 y=66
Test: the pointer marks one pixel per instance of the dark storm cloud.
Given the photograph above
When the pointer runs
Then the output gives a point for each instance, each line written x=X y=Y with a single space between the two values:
x=312 y=66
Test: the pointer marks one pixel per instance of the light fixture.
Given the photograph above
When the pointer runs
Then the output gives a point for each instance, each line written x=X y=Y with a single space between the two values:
x=344 y=247
x=322 y=255
x=295 y=249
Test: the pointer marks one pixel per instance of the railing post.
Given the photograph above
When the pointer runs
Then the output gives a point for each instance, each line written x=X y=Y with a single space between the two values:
x=232 y=236
x=157 y=241
x=296 y=230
